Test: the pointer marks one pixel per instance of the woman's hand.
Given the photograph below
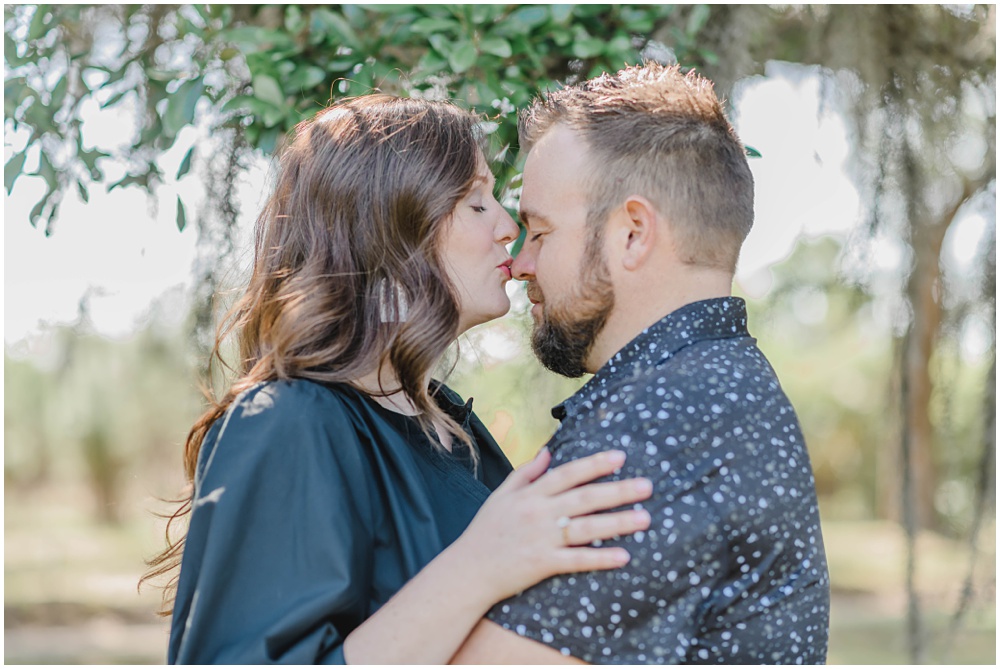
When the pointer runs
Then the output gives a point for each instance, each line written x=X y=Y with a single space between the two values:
x=540 y=523
x=535 y=525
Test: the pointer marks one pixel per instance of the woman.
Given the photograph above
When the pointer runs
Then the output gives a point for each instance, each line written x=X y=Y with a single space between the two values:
x=334 y=471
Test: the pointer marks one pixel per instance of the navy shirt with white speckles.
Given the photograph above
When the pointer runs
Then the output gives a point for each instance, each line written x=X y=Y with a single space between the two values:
x=732 y=568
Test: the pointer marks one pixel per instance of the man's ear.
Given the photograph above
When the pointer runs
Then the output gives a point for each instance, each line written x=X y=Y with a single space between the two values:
x=640 y=230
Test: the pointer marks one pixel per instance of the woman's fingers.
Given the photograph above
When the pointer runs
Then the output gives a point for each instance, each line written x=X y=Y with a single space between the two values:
x=603 y=496
x=577 y=472
x=572 y=560
x=529 y=471
x=584 y=530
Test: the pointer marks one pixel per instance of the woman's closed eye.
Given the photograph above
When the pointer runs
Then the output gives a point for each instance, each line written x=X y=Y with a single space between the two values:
x=478 y=208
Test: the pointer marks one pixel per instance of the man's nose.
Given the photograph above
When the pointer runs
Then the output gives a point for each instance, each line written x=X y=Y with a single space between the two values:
x=523 y=267
x=507 y=230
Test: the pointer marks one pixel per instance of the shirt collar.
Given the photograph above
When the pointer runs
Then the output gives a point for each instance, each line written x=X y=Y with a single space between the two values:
x=716 y=318
x=451 y=403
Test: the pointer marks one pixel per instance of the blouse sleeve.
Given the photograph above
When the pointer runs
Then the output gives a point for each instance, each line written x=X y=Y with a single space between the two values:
x=279 y=548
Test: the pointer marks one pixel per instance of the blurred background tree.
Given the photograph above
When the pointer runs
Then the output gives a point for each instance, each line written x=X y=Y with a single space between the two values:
x=900 y=422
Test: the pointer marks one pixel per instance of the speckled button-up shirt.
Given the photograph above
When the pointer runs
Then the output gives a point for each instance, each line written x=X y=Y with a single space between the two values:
x=732 y=568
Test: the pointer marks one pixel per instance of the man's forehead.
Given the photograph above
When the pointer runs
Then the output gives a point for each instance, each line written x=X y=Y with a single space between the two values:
x=554 y=174
x=560 y=142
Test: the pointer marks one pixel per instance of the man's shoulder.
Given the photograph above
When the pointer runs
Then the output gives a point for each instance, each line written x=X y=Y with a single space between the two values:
x=710 y=367
x=704 y=391
x=704 y=366
x=707 y=354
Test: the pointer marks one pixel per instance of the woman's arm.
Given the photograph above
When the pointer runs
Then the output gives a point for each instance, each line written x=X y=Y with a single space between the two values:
x=517 y=539
x=279 y=549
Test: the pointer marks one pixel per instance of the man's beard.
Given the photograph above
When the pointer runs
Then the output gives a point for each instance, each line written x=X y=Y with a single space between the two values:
x=565 y=334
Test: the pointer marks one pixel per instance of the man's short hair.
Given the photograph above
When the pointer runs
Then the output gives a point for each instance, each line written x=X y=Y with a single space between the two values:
x=656 y=132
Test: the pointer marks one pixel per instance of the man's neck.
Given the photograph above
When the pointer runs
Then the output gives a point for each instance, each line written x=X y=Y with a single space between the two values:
x=637 y=309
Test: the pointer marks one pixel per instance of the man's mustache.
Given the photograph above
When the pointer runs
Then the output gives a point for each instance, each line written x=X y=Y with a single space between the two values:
x=534 y=292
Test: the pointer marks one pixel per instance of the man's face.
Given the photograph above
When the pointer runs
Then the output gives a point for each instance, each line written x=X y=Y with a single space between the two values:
x=562 y=260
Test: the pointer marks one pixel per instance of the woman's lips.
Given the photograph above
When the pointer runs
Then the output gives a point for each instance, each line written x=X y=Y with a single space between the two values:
x=506 y=271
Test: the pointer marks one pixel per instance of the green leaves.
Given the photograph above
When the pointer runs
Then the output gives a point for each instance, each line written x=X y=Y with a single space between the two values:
x=181 y=215
x=36 y=211
x=10 y=51
x=526 y=18
x=47 y=171
x=462 y=56
x=265 y=68
x=266 y=89
x=429 y=26
x=40 y=22
x=264 y=112
x=306 y=77
x=496 y=46
x=12 y=170
x=129 y=180
x=588 y=48
x=697 y=19
x=181 y=106
x=115 y=99
x=185 y=166
x=328 y=26
x=249 y=39
x=89 y=160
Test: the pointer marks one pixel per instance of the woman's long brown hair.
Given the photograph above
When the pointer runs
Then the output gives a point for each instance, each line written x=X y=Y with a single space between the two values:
x=362 y=193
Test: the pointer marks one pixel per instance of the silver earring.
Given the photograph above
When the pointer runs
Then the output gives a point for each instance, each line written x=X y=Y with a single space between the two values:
x=392 y=302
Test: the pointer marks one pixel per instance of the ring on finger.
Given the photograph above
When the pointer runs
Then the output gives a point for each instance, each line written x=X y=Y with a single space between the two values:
x=563 y=523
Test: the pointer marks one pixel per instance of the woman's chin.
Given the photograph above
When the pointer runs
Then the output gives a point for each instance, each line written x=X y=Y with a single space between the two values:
x=488 y=315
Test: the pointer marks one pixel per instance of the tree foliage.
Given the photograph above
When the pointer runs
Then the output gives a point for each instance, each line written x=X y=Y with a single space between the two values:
x=260 y=69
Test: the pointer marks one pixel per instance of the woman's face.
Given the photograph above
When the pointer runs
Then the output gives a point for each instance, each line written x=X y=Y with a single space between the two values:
x=474 y=253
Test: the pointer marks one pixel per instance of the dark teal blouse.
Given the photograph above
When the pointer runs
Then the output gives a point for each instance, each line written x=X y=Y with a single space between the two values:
x=313 y=505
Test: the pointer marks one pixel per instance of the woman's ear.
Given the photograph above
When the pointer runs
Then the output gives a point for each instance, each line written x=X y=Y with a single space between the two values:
x=640 y=226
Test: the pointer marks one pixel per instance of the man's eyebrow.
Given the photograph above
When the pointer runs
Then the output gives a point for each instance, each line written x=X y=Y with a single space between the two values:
x=527 y=215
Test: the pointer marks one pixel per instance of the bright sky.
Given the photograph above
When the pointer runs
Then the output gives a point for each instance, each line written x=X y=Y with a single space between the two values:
x=128 y=256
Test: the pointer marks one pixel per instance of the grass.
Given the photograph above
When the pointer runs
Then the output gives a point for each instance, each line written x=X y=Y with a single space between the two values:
x=70 y=587
x=868 y=623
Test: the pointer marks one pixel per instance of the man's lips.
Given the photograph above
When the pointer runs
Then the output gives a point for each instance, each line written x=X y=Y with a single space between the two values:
x=536 y=297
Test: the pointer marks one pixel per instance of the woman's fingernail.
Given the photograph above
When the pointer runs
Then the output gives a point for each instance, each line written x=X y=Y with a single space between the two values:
x=642 y=517
x=616 y=457
x=643 y=485
x=622 y=557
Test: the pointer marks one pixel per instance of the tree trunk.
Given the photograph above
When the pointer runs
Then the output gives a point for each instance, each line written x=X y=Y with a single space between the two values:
x=924 y=292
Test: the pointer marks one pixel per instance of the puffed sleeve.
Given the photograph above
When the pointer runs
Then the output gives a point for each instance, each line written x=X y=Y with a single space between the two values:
x=279 y=548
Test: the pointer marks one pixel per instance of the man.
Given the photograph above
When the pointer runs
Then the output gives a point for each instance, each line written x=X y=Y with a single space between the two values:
x=637 y=197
